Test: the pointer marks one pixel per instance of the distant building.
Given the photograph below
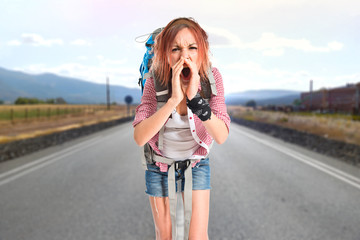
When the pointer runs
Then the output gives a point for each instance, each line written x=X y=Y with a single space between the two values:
x=342 y=99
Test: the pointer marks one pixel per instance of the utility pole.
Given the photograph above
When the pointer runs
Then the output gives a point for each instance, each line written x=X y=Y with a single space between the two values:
x=107 y=93
x=357 y=96
x=311 y=94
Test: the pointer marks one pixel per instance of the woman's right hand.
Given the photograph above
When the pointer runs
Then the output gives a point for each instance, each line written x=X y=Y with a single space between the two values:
x=177 y=92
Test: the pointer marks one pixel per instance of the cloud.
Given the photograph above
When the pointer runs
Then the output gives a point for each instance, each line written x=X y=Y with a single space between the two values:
x=239 y=76
x=221 y=37
x=335 y=81
x=335 y=46
x=116 y=70
x=14 y=43
x=110 y=62
x=273 y=52
x=35 y=40
x=350 y=78
x=269 y=43
x=81 y=42
x=82 y=58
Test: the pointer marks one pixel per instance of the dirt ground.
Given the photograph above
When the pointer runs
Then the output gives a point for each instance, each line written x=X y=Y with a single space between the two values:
x=26 y=129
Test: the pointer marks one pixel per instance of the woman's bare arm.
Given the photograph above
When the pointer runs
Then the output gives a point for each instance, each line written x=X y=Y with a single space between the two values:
x=147 y=128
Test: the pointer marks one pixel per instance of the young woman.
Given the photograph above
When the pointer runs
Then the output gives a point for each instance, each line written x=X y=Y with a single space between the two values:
x=186 y=123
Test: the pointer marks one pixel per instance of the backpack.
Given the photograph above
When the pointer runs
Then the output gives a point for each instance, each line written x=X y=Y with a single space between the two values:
x=147 y=60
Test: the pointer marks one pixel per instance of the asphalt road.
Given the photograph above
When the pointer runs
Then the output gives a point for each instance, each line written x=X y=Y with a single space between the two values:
x=262 y=188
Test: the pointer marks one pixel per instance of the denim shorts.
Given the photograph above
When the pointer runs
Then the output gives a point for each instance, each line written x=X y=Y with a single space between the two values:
x=157 y=182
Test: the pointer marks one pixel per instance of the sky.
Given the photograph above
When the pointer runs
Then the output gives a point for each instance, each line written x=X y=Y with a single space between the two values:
x=258 y=44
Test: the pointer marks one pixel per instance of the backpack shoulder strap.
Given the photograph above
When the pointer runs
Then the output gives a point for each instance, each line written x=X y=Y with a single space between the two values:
x=212 y=81
x=162 y=92
x=209 y=87
x=162 y=96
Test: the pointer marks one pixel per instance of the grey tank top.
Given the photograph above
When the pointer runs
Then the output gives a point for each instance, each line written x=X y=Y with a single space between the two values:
x=179 y=143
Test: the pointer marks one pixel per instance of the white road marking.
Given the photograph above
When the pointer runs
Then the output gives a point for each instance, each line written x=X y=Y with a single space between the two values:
x=44 y=161
x=353 y=181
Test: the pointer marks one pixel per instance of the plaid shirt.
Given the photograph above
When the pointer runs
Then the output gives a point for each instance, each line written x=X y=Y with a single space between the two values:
x=148 y=107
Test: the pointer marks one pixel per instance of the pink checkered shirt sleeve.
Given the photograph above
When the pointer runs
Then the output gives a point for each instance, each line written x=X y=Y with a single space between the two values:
x=147 y=108
x=148 y=103
x=218 y=108
x=217 y=103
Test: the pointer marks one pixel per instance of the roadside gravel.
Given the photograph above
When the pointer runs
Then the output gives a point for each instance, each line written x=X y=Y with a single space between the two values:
x=344 y=151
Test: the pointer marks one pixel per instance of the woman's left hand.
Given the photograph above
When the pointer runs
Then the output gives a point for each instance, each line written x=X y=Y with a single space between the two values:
x=192 y=89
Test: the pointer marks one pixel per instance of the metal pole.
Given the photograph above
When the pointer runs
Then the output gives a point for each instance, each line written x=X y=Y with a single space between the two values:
x=357 y=86
x=108 y=93
x=311 y=94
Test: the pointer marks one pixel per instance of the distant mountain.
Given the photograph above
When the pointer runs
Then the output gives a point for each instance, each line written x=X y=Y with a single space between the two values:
x=263 y=97
x=14 y=84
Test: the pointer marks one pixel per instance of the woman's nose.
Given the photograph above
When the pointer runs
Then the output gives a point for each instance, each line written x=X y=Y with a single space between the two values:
x=185 y=53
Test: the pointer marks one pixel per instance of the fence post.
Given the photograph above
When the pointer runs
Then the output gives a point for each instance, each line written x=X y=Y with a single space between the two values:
x=357 y=95
x=12 y=115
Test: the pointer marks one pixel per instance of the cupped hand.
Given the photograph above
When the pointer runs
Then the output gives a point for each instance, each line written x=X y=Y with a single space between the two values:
x=177 y=91
x=192 y=89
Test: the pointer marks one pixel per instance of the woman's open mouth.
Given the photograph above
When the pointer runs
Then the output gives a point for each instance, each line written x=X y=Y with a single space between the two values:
x=186 y=73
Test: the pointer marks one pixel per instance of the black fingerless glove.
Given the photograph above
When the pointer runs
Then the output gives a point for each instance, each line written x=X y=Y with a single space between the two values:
x=199 y=107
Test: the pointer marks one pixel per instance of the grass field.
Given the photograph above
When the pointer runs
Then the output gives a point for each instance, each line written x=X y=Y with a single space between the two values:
x=333 y=126
x=28 y=119
x=24 y=121
x=30 y=112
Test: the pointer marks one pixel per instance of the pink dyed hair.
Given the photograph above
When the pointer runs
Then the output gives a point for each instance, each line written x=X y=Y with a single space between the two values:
x=162 y=47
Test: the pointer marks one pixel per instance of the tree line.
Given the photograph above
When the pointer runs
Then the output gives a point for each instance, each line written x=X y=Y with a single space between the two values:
x=24 y=100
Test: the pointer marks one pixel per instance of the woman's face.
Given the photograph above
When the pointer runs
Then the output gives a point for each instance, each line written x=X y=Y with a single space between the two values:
x=184 y=45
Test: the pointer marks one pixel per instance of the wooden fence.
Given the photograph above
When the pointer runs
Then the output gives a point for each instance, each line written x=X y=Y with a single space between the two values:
x=20 y=113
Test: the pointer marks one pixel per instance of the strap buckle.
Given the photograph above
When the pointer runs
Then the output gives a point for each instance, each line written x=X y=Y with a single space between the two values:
x=182 y=165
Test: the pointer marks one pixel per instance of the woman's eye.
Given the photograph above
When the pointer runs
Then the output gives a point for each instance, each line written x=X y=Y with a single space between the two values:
x=193 y=48
x=175 y=49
